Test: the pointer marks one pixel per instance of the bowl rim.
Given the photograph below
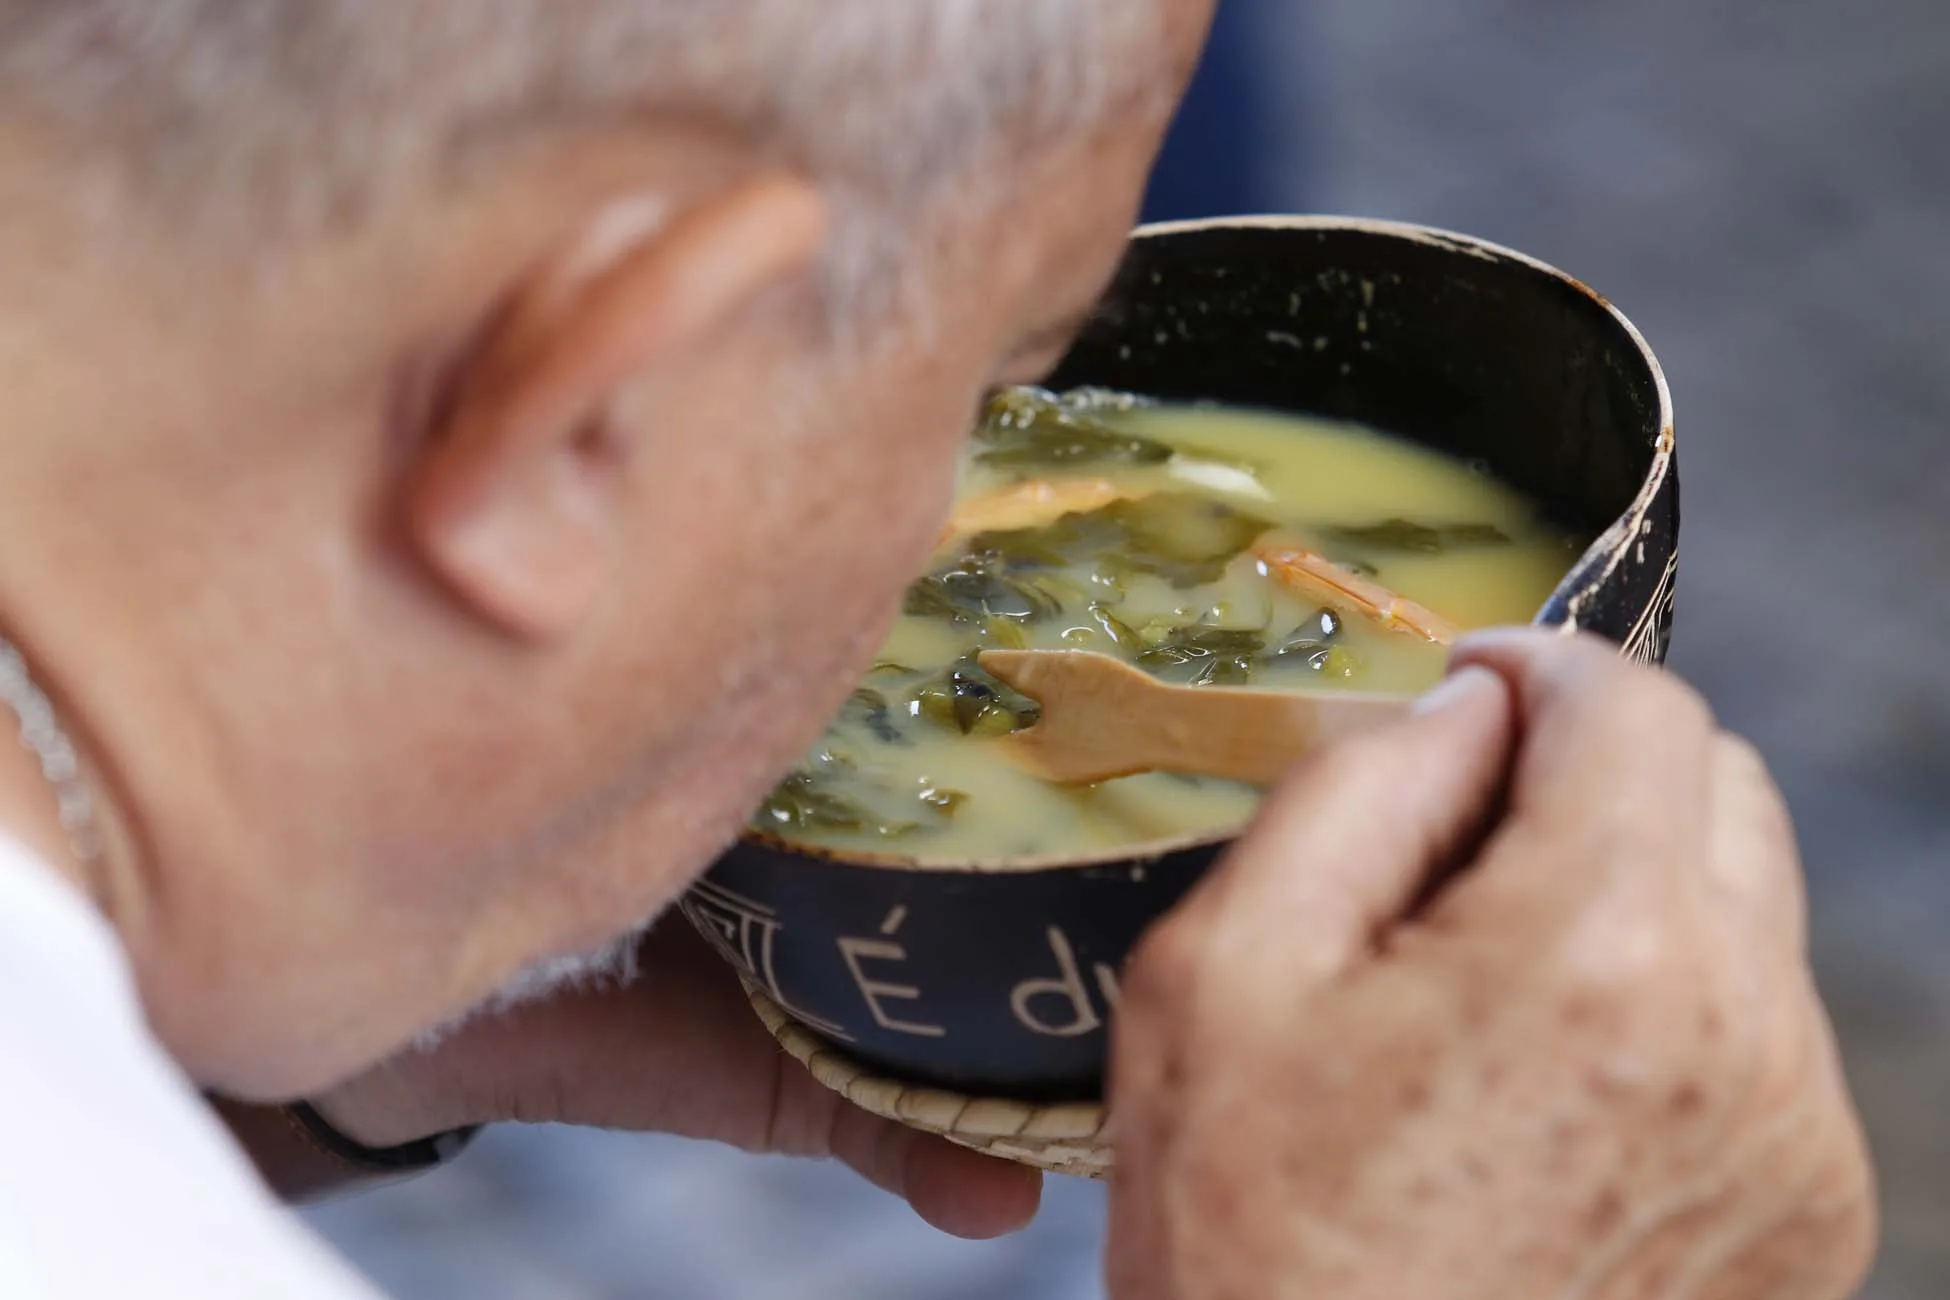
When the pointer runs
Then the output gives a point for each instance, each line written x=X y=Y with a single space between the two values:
x=1607 y=551
x=1598 y=562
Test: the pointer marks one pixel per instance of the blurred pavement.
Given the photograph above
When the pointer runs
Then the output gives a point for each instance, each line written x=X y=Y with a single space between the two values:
x=1765 y=189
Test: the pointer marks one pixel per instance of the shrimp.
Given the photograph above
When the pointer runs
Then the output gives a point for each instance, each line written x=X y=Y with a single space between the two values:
x=1305 y=570
x=1030 y=505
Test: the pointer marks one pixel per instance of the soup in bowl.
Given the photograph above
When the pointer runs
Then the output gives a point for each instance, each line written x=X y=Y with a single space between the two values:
x=1293 y=454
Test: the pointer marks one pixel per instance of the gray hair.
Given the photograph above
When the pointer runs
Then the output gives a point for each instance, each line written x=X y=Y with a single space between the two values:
x=284 y=115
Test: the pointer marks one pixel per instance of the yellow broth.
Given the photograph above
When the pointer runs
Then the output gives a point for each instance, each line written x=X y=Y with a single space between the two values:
x=1163 y=576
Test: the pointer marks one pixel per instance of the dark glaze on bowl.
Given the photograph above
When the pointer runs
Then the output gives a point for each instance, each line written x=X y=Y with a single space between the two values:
x=998 y=979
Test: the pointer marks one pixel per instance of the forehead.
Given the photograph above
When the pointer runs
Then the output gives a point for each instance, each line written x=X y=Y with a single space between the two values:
x=1038 y=217
x=1084 y=191
x=1059 y=216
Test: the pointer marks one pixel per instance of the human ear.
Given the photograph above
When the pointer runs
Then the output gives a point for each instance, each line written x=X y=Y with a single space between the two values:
x=514 y=500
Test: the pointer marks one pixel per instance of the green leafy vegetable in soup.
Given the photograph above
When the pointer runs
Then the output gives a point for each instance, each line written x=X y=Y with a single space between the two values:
x=1420 y=539
x=1028 y=429
x=1100 y=521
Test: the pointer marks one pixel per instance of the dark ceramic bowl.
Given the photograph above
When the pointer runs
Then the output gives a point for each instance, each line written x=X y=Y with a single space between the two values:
x=997 y=979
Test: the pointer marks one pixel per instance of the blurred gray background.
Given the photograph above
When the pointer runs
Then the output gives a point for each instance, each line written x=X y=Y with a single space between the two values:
x=1764 y=186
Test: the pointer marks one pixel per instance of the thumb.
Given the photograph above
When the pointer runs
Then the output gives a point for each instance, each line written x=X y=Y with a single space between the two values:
x=956 y=1190
x=1350 y=843
x=679 y=1051
x=1338 y=853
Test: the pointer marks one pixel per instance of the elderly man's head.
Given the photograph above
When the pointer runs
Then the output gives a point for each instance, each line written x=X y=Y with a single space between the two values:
x=458 y=453
x=255 y=119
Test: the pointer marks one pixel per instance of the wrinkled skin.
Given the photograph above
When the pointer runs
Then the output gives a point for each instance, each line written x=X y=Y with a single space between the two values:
x=434 y=597
x=1591 y=1067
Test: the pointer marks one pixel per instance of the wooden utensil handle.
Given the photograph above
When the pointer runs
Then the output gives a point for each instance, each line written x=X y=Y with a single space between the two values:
x=1253 y=736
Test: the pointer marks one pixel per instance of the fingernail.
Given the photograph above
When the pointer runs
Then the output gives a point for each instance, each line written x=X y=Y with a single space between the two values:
x=1458 y=687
